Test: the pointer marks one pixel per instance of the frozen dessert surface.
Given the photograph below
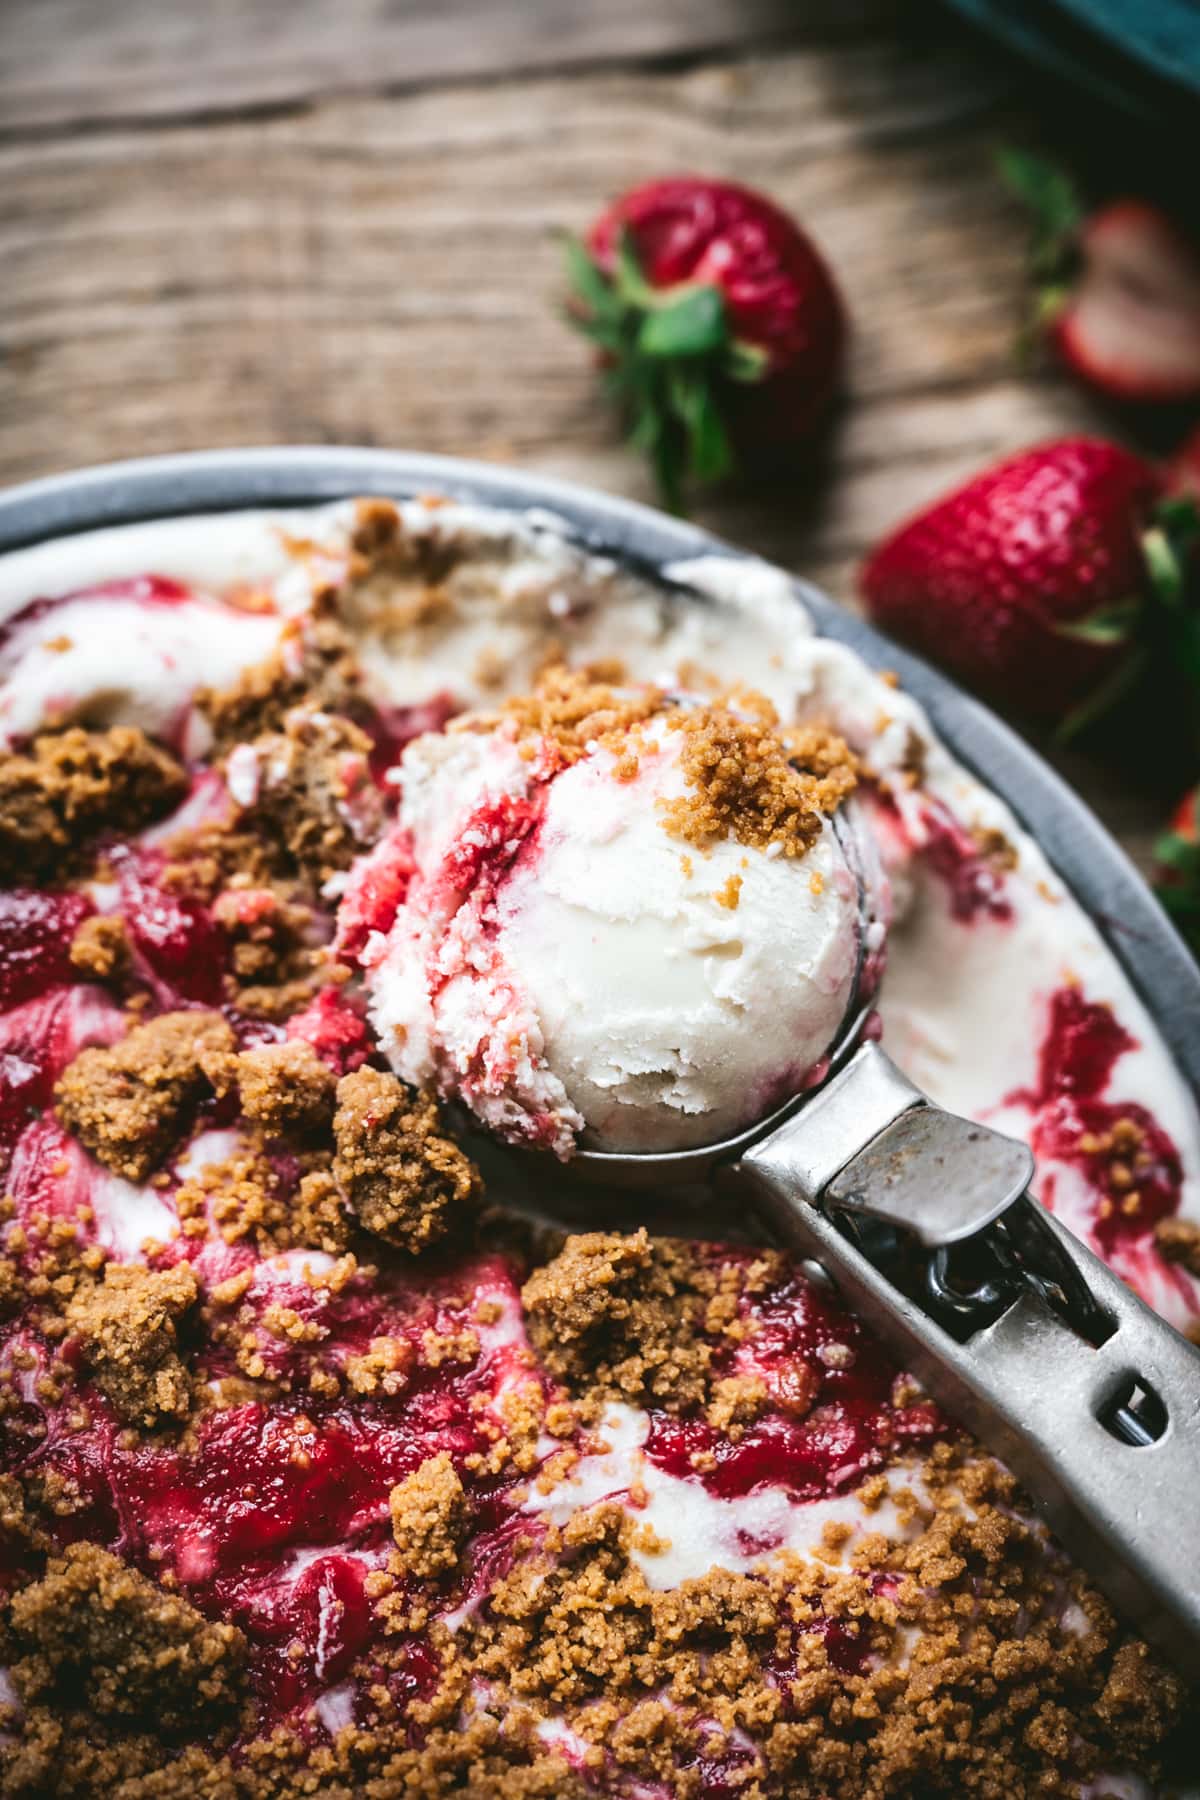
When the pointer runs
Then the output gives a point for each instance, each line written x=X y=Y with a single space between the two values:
x=326 y=1467
x=628 y=919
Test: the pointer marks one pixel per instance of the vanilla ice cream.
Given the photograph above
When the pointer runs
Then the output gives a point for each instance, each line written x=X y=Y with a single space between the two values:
x=575 y=966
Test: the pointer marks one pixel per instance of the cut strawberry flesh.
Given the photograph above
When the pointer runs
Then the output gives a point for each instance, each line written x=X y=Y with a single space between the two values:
x=1133 y=322
x=35 y=941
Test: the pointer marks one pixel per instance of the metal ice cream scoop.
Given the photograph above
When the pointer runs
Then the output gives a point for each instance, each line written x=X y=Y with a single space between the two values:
x=924 y=1222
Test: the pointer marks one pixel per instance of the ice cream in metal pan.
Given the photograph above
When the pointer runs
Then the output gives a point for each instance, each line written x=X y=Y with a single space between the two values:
x=999 y=999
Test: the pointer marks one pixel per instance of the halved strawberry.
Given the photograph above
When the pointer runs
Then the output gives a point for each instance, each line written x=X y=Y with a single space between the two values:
x=1132 y=323
x=1118 y=289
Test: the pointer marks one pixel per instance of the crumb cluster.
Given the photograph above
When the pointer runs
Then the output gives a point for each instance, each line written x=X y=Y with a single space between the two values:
x=100 y=948
x=429 y=1515
x=624 y=1317
x=127 y=1326
x=402 y=1178
x=285 y=1088
x=748 y=777
x=129 y=1104
x=314 y=792
x=751 y=780
x=1179 y=1241
x=72 y=784
x=95 y=1630
x=314 y=665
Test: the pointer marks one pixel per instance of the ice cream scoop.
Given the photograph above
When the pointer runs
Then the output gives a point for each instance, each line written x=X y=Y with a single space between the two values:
x=638 y=933
x=631 y=921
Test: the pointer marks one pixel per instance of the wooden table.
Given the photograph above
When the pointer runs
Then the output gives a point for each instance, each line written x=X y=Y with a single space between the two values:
x=251 y=222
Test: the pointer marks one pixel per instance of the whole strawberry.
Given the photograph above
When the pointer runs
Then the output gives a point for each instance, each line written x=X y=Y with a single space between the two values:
x=721 y=332
x=1118 y=288
x=1044 y=580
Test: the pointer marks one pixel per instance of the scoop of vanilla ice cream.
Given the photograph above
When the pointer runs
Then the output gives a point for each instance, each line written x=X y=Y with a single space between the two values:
x=576 y=974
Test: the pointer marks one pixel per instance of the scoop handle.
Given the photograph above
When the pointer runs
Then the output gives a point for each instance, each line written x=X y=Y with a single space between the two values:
x=1053 y=1404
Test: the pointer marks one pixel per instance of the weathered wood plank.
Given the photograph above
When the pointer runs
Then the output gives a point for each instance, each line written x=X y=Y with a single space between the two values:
x=384 y=270
x=65 y=61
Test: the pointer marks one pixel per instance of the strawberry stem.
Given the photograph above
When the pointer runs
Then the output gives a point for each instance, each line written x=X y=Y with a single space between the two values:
x=668 y=354
x=1052 y=202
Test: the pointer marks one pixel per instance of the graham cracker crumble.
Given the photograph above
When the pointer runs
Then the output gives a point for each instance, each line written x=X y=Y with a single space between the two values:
x=245 y=1199
x=797 y=1674
x=1178 y=1240
x=127 y=1325
x=100 y=948
x=128 y=1105
x=403 y=1179
x=748 y=776
x=429 y=1513
x=314 y=793
x=754 y=781
x=285 y=1088
x=95 y=1630
x=314 y=664
x=576 y=715
x=623 y=1317
x=277 y=960
x=71 y=785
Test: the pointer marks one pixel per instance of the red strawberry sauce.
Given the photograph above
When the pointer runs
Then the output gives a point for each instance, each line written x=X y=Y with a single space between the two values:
x=975 y=887
x=1127 y=1158
x=273 y=1517
x=835 y=1417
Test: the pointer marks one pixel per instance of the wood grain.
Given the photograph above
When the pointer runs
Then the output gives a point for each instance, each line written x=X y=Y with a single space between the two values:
x=382 y=268
x=68 y=61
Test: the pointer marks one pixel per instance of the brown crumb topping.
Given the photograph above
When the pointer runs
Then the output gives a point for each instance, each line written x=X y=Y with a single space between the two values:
x=429 y=1513
x=401 y=1177
x=751 y=780
x=1178 y=1240
x=314 y=664
x=127 y=1324
x=276 y=959
x=315 y=793
x=100 y=948
x=748 y=777
x=622 y=1317
x=129 y=1105
x=73 y=784
x=95 y=1627
x=577 y=715
x=285 y=1088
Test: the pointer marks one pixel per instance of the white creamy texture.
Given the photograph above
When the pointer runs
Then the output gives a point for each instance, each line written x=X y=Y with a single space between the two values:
x=442 y=999
x=662 y=1009
x=698 y=1531
x=619 y=978
x=964 y=1006
x=118 y=661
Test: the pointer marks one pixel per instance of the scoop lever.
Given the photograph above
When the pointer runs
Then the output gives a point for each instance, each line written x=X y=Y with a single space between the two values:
x=923 y=1221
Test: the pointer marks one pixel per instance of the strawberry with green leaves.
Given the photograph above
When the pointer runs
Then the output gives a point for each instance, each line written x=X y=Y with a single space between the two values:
x=1177 y=853
x=1049 y=582
x=720 y=330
